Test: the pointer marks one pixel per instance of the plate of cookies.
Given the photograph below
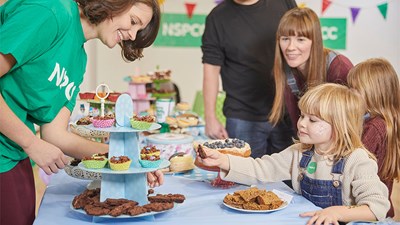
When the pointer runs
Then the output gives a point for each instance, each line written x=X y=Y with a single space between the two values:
x=254 y=200
x=88 y=202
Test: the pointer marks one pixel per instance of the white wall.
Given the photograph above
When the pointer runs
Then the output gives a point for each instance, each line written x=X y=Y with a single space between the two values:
x=370 y=36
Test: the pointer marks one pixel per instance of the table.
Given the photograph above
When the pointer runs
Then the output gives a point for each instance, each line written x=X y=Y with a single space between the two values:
x=203 y=204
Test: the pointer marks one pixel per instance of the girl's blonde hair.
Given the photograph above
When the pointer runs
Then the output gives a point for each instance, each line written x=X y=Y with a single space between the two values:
x=302 y=22
x=376 y=80
x=343 y=109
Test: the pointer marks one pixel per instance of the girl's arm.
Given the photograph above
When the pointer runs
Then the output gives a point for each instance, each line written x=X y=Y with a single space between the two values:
x=334 y=214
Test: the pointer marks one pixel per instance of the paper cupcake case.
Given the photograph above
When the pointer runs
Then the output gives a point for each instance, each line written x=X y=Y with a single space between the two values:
x=140 y=125
x=120 y=166
x=150 y=164
x=94 y=164
x=103 y=123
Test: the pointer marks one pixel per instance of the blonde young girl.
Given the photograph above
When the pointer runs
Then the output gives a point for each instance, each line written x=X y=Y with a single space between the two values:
x=376 y=80
x=329 y=165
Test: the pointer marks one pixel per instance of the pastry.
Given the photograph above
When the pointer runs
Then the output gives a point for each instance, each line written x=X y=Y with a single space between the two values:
x=120 y=163
x=182 y=106
x=187 y=119
x=232 y=146
x=253 y=199
x=84 y=120
x=140 y=79
x=180 y=162
x=150 y=157
x=201 y=152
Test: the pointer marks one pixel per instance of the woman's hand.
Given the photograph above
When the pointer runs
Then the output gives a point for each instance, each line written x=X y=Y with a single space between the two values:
x=155 y=179
x=325 y=216
x=46 y=156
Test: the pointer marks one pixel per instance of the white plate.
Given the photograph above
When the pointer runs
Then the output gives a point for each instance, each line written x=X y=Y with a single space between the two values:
x=75 y=171
x=284 y=205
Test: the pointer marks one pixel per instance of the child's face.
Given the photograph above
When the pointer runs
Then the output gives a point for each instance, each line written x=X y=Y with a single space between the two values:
x=313 y=130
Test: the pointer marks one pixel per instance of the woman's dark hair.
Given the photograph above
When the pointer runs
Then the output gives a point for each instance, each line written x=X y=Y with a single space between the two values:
x=97 y=11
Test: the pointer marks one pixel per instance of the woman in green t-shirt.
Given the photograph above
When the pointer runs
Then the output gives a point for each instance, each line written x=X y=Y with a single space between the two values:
x=42 y=62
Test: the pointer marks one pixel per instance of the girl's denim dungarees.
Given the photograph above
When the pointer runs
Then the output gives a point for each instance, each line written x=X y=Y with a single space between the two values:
x=322 y=193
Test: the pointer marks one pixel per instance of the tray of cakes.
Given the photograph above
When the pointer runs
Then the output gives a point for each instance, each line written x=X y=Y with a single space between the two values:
x=148 y=162
x=88 y=202
x=81 y=128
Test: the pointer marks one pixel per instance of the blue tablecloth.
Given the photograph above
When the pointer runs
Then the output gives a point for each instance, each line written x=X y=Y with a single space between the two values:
x=203 y=204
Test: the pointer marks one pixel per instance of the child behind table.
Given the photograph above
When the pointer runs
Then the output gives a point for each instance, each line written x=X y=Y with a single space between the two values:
x=329 y=165
x=376 y=80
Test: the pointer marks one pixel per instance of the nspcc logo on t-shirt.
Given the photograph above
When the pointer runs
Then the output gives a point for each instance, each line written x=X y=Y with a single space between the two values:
x=62 y=81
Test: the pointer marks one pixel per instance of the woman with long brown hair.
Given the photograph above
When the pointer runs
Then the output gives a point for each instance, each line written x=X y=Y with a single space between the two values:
x=302 y=62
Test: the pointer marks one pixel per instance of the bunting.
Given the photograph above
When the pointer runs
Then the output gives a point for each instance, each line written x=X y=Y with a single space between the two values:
x=325 y=5
x=189 y=9
x=356 y=10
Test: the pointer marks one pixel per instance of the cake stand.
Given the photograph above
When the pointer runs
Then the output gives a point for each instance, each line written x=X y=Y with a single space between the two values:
x=130 y=184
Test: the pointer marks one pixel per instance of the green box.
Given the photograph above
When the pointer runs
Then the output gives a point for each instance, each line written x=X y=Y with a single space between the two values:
x=334 y=32
x=178 y=30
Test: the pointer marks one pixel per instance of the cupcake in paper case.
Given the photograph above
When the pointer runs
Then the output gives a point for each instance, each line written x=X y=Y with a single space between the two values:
x=120 y=163
x=150 y=161
x=142 y=122
x=149 y=151
x=94 y=162
x=103 y=121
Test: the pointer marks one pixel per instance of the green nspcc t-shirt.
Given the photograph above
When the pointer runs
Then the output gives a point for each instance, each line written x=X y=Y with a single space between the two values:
x=46 y=39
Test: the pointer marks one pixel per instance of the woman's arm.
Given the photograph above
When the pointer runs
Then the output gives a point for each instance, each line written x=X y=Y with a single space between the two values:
x=71 y=144
x=6 y=63
x=75 y=146
x=45 y=155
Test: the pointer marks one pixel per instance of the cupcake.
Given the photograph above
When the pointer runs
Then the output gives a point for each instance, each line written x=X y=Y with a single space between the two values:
x=149 y=151
x=120 y=163
x=94 y=162
x=103 y=121
x=150 y=157
x=142 y=122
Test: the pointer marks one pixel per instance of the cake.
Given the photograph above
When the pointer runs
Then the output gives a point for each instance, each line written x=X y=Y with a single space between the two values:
x=94 y=162
x=187 y=119
x=141 y=79
x=120 y=163
x=182 y=106
x=142 y=122
x=181 y=162
x=232 y=146
x=103 y=121
x=150 y=157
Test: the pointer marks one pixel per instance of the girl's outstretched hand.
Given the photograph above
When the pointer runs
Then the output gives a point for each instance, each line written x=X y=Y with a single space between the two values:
x=325 y=216
x=213 y=158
